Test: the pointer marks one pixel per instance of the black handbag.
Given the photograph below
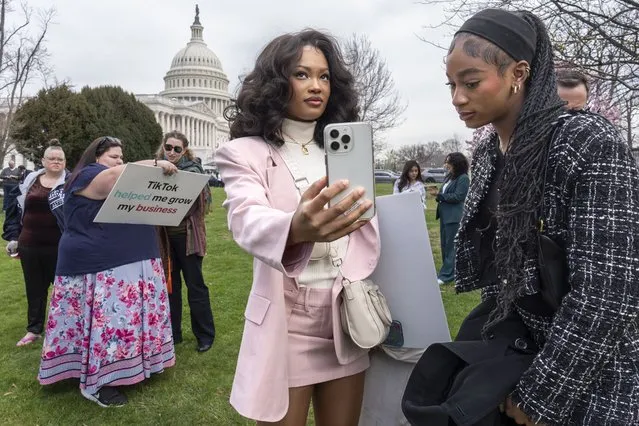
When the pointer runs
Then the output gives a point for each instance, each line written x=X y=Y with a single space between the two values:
x=552 y=261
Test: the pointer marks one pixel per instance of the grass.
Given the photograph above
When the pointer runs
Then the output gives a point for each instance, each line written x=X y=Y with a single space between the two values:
x=196 y=390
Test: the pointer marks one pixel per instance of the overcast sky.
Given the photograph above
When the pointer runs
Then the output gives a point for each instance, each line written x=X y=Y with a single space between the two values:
x=131 y=43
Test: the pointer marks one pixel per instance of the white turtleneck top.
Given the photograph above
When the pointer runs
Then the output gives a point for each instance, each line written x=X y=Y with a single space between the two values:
x=320 y=272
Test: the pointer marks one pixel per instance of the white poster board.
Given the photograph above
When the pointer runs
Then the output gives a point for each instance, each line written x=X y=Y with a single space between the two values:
x=406 y=271
x=407 y=277
x=145 y=195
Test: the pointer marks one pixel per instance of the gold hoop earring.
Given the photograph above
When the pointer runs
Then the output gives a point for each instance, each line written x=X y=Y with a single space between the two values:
x=527 y=69
x=515 y=89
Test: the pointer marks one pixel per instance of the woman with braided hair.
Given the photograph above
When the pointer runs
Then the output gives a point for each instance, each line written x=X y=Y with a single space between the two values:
x=570 y=176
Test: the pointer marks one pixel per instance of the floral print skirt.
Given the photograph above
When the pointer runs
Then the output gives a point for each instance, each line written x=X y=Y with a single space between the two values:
x=108 y=328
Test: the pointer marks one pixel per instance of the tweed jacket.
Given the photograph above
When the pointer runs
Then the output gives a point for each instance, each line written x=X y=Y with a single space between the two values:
x=587 y=371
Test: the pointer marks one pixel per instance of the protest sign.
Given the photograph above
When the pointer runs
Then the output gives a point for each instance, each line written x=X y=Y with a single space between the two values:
x=145 y=195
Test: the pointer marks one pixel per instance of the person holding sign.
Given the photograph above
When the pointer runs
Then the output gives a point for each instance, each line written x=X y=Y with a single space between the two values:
x=293 y=348
x=109 y=322
x=184 y=247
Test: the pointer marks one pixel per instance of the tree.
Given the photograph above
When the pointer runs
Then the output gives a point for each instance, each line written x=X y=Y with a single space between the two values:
x=121 y=115
x=22 y=55
x=379 y=102
x=598 y=36
x=54 y=113
x=453 y=144
x=426 y=154
x=78 y=118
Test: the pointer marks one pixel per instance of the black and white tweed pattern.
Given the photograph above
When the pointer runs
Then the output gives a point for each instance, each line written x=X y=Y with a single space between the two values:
x=587 y=372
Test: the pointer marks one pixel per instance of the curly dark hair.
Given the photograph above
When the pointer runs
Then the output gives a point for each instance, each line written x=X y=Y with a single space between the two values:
x=265 y=92
x=521 y=182
x=459 y=163
x=403 y=179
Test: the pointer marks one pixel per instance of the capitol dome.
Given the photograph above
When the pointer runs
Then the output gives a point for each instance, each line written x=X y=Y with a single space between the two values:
x=196 y=73
x=194 y=97
x=196 y=55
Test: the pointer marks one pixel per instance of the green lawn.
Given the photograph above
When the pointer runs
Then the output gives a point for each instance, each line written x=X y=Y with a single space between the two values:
x=196 y=390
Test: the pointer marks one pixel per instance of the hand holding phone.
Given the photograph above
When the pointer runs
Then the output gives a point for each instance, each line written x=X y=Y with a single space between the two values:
x=312 y=222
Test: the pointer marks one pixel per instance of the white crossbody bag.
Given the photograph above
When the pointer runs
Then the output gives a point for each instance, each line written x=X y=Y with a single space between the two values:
x=364 y=312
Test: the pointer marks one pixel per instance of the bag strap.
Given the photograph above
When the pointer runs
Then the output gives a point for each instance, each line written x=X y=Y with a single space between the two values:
x=300 y=179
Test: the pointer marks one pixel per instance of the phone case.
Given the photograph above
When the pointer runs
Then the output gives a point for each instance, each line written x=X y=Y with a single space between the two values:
x=395 y=335
x=349 y=155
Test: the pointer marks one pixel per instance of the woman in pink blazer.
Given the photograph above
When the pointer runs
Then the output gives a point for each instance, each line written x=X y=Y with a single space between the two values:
x=293 y=349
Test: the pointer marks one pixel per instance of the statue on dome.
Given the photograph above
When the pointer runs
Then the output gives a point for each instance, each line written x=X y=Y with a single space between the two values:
x=197 y=15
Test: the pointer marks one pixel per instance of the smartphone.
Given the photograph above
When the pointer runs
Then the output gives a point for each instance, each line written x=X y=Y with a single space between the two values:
x=349 y=155
x=395 y=335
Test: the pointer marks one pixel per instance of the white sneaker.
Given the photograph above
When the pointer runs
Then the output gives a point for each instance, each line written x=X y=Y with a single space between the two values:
x=440 y=282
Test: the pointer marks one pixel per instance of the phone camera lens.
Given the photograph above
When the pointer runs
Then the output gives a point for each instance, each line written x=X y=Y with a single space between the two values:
x=346 y=139
x=335 y=146
x=334 y=133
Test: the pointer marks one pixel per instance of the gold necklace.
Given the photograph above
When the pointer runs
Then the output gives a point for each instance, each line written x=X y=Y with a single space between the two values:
x=303 y=145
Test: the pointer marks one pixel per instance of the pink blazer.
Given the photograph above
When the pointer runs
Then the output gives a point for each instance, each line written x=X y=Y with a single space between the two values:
x=261 y=200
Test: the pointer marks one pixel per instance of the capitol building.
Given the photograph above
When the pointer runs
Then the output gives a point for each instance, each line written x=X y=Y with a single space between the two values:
x=194 y=96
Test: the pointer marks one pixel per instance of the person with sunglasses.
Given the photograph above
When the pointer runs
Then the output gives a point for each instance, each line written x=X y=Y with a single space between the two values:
x=183 y=249
x=109 y=323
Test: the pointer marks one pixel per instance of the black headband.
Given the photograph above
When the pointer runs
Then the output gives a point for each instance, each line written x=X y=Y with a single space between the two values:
x=508 y=31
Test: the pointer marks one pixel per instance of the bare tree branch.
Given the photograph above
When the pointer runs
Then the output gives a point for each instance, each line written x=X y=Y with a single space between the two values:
x=22 y=55
x=379 y=102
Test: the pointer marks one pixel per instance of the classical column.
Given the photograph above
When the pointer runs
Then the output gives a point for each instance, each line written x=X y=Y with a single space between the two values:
x=198 y=132
x=182 y=124
x=192 y=130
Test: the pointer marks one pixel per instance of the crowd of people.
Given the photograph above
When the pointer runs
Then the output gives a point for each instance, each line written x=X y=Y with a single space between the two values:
x=115 y=309
x=562 y=331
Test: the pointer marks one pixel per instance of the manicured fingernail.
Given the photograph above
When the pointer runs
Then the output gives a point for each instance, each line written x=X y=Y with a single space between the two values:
x=344 y=182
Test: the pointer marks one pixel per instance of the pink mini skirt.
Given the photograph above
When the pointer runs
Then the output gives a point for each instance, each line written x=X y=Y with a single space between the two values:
x=311 y=349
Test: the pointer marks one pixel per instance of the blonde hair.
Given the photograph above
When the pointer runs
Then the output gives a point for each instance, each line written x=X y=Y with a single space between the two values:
x=54 y=145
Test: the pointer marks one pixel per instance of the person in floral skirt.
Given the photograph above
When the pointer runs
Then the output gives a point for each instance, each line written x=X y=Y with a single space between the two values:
x=109 y=318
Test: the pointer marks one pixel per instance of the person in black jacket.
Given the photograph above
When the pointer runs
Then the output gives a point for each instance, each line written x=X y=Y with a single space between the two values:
x=32 y=226
x=570 y=176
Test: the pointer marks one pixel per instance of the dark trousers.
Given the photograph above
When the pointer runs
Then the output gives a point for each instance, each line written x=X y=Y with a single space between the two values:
x=198 y=293
x=447 y=232
x=6 y=199
x=38 y=268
